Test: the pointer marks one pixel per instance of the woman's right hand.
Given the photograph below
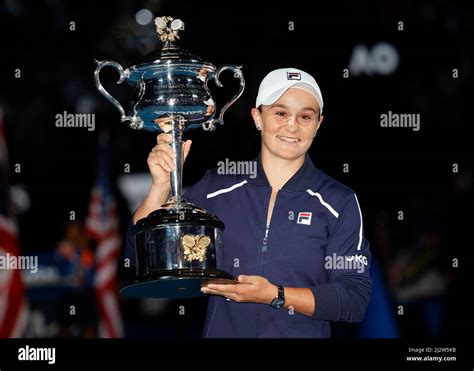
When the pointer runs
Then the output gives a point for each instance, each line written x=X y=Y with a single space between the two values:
x=161 y=159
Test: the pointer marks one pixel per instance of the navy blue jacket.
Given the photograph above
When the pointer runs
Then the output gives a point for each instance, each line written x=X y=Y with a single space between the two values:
x=314 y=240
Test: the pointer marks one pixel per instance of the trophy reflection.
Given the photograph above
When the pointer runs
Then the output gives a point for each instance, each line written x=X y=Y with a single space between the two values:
x=178 y=246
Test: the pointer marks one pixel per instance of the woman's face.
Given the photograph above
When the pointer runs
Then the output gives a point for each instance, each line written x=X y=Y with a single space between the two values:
x=289 y=125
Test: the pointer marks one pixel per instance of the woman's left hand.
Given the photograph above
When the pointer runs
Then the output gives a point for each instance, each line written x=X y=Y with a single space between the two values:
x=250 y=289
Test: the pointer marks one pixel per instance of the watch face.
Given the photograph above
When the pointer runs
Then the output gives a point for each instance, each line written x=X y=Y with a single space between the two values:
x=277 y=303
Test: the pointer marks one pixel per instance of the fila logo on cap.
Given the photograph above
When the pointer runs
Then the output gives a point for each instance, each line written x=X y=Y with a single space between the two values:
x=304 y=217
x=293 y=76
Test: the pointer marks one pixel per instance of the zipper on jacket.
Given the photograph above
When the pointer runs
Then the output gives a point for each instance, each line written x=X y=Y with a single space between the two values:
x=264 y=250
x=265 y=239
x=267 y=228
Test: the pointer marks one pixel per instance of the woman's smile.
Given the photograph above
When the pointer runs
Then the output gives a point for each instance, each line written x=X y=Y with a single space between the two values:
x=287 y=139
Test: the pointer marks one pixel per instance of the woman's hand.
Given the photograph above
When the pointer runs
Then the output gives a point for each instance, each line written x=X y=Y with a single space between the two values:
x=160 y=162
x=161 y=159
x=250 y=289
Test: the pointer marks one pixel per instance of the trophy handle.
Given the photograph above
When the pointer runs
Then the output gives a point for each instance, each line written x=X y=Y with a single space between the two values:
x=209 y=125
x=135 y=122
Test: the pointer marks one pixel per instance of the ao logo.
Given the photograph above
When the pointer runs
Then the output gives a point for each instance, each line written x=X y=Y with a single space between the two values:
x=382 y=59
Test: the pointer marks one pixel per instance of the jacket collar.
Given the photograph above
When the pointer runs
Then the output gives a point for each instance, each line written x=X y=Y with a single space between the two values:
x=303 y=179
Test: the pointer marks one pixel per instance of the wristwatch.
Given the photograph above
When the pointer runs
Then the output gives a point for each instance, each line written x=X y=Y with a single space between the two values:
x=279 y=301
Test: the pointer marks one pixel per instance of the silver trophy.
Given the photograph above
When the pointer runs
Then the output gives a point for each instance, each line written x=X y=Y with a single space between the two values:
x=179 y=246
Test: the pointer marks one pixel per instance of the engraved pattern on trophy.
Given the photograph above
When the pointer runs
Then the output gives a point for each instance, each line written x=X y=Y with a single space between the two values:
x=178 y=246
x=195 y=247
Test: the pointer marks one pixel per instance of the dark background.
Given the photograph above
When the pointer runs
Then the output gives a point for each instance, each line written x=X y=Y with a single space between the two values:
x=391 y=169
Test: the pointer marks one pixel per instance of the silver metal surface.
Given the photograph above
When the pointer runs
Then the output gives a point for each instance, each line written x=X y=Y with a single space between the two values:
x=178 y=245
x=177 y=146
x=135 y=121
x=163 y=248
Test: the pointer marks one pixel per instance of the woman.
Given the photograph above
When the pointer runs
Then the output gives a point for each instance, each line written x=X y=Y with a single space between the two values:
x=294 y=236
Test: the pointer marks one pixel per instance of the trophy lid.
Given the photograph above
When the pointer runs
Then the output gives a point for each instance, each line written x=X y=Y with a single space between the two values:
x=188 y=214
x=170 y=54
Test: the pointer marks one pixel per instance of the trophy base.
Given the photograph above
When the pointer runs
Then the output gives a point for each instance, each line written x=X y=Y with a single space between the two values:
x=175 y=284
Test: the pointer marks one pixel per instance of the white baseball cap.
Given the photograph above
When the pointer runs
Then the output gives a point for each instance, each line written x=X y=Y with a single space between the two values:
x=278 y=81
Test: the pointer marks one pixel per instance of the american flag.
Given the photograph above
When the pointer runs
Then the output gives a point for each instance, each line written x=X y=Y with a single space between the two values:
x=13 y=304
x=103 y=226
